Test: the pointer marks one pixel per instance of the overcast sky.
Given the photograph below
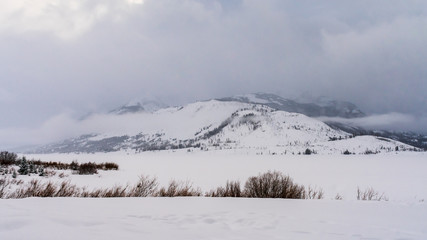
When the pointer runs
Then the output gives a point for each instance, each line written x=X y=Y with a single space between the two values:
x=73 y=57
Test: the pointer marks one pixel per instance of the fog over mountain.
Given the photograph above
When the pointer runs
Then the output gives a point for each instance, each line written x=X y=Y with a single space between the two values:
x=61 y=60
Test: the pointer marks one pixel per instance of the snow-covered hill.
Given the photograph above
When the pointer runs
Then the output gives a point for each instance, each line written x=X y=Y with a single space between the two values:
x=219 y=125
x=326 y=108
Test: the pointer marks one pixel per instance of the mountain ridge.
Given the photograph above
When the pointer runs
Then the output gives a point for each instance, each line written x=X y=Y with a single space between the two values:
x=224 y=125
x=331 y=108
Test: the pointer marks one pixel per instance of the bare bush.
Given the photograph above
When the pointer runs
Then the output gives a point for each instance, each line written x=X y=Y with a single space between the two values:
x=308 y=151
x=145 y=187
x=110 y=166
x=314 y=193
x=179 y=189
x=87 y=168
x=347 y=152
x=338 y=197
x=368 y=152
x=7 y=158
x=49 y=173
x=231 y=189
x=273 y=185
x=369 y=194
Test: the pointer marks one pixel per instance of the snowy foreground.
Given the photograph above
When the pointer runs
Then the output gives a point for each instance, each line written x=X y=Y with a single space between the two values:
x=400 y=176
x=210 y=218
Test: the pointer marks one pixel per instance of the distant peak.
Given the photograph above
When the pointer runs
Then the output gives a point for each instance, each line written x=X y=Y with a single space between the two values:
x=139 y=105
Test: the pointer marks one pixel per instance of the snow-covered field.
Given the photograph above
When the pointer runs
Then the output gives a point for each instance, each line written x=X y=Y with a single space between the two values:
x=400 y=176
x=210 y=218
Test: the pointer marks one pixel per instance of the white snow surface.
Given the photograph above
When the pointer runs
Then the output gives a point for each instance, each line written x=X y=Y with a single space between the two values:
x=209 y=218
x=400 y=176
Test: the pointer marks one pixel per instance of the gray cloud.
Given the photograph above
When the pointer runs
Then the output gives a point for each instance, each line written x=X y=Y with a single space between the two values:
x=387 y=121
x=65 y=125
x=78 y=56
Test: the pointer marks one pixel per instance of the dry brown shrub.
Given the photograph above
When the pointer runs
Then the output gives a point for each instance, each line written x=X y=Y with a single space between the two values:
x=87 y=168
x=273 y=185
x=314 y=193
x=145 y=187
x=231 y=189
x=179 y=189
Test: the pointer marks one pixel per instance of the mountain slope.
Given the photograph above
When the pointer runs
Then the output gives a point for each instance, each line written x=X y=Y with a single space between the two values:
x=411 y=138
x=219 y=125
x=321 y=107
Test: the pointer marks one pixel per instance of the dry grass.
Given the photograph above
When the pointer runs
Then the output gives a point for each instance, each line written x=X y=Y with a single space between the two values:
x=116 y=191
x=266 y=185
x=145 y=187
x=4 y=185
x=314 y=193
x=369 y=194
x=36 y=188
x=179 y=189
x=231 y=189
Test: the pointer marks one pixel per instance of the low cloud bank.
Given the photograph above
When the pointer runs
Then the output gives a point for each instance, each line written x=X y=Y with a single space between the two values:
x=390 y=121
x=64 y=126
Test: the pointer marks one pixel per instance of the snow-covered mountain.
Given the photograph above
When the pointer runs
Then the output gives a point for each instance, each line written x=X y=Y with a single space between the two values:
x=313 y=108
x=327 y=107
x=219 y=125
